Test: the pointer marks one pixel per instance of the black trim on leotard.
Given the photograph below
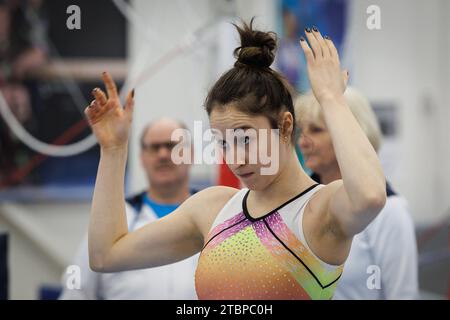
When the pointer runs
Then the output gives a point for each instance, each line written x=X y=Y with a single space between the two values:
x=224 y=229
x=299 y=259
x=249 y=217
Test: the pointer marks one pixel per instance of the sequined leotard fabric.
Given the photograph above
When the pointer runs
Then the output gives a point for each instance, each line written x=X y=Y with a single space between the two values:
x=265 y=258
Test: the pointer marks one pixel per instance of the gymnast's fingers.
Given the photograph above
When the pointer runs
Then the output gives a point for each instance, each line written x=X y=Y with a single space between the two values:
x=100 y=96
x=110 y=85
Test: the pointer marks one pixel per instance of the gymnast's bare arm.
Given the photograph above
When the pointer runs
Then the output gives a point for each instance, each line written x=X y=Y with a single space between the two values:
x=345 y=206
x=175 y=237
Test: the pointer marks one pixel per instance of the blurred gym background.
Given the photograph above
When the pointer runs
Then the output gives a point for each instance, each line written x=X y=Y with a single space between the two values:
x=171 y=52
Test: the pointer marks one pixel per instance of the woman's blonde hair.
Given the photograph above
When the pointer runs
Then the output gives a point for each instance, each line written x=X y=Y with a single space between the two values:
x=308 y=109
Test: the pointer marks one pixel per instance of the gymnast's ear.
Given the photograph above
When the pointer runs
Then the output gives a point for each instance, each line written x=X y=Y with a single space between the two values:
x=286 y=124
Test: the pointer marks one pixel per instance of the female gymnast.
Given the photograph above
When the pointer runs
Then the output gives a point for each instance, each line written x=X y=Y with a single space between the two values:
x=282 y=237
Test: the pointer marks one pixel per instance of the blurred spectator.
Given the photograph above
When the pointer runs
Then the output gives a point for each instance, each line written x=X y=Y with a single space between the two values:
x=382 y=263
x=23 y=48
x=169 y=187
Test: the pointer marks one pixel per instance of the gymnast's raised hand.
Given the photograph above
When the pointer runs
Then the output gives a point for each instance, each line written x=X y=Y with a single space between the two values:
x=109 y=121
x=327 y=79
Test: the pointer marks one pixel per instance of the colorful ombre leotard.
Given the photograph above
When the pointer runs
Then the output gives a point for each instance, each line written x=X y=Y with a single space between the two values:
x=264 y=258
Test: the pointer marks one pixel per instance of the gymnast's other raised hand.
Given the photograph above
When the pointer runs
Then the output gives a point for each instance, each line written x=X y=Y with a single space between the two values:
x=109 y=121
x=327 y=79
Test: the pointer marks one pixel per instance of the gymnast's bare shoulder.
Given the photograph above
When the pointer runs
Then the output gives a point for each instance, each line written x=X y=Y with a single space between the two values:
x=205 y=205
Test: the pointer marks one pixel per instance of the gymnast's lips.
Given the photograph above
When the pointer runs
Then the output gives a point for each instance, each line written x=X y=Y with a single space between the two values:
x=165 y=167
x=245 y=175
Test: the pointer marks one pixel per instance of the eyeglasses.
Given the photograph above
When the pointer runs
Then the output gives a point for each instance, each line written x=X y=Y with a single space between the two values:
x=155 y=147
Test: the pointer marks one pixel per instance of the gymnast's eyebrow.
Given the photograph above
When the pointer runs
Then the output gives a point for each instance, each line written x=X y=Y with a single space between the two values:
x=244 y=127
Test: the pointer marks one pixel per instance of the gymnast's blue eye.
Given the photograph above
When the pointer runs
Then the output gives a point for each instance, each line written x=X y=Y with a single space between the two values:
x=223 y=144
x=245 y=140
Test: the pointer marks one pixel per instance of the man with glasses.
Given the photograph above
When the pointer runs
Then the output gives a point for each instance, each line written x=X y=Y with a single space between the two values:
x=168 y=188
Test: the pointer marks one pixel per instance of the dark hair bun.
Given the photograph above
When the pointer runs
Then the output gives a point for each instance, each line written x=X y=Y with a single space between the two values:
x=257 y=48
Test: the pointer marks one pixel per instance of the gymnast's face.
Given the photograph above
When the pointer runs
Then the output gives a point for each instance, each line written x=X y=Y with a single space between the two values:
x=249 y=146
x=317 y=148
